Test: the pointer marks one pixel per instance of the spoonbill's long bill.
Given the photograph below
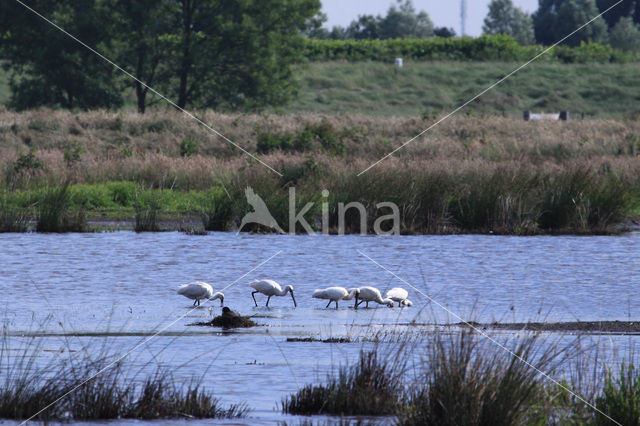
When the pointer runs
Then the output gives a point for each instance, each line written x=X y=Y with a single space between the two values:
x=199 y=290
x=333 y=294
x=270 y=288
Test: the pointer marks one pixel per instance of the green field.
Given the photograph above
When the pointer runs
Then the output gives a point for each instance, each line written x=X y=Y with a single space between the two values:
x=374 y=88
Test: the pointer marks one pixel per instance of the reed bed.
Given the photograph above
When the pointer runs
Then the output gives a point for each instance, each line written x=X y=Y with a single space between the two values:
x=464 y=379
x=28 y=388
x=470 y=174
x=55 y=212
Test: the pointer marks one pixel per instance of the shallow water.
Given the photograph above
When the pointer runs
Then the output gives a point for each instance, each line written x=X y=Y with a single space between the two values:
x=71 y=290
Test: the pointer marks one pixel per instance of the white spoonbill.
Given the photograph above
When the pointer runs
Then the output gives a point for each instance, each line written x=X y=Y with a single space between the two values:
x=270 y=288
x=198 y=290
x=334 y=294
x=398 y=294
x=371 y=294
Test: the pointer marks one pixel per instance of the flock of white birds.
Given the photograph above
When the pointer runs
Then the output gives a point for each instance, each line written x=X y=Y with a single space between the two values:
x=199 y=290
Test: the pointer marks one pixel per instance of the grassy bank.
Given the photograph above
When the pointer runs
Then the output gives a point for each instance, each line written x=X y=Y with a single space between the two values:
x=376 y=88
x=471 y=174
x=599 y=90
x=436 y=201
x=465 y=379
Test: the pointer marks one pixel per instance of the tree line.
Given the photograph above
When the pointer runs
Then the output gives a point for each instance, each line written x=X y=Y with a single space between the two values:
x=234 y=55
x=553 y=20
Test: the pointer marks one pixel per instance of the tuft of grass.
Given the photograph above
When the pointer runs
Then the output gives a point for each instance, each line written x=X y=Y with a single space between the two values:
x=216 y=209
x=620 y=397
x=469 y=381
x=370 y=387
x=12 y=218
x=27 y=389
x=55 y=212
x=147 y=206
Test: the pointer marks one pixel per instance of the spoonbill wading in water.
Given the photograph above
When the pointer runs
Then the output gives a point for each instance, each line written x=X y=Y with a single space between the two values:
x=199 y=290
x=334 y=294
x=399 y=295
x=270 y=288
x=371 y=294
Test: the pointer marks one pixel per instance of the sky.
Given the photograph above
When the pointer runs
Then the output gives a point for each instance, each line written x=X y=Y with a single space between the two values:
x=443 y=13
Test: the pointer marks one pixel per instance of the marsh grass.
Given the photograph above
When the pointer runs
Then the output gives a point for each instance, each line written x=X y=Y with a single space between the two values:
x=620 y=397
x=468 y=380
x=147 y=205
x=216 y=209
x=471 y=174
x=463 y=378
x=27 y=388
x=12 y=218
x=370 y=387
x=55 y=212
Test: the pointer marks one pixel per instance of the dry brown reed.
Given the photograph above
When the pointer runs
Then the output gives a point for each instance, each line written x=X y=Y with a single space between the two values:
x=490 y=174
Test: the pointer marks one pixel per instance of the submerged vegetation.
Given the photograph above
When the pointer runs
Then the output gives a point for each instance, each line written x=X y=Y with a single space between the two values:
x=470 y=174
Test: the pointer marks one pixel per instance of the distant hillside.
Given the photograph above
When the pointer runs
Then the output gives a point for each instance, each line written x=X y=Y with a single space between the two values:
x=374 y=88
x=422 y=89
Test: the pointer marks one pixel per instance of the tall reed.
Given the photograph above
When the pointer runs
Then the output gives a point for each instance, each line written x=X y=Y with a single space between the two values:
x=147 y=205
x=12 y=218
x=467 y=380
x=620 y=398
x=55 y=212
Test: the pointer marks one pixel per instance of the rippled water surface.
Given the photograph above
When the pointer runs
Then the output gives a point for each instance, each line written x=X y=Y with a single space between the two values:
x=73 y=289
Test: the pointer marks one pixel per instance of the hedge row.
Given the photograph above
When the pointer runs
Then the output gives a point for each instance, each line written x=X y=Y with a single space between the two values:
x=484 y=48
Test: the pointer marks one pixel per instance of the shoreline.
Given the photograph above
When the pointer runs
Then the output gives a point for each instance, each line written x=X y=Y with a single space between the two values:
x=191 y=223
x=584 y=327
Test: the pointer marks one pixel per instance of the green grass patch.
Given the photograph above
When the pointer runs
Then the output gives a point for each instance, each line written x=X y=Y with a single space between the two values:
x=381 y=89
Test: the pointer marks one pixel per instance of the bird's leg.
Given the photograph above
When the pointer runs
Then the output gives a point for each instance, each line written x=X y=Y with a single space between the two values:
x=367 y=306
x=328 y=304
x=336 y=303
x=254 y=297
x=268 y=298
x=194 y=302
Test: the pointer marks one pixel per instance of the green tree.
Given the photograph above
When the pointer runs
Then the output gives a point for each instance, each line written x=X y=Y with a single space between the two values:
x=48 y=68
x=365 y=27
x=504 y=18
x=402 y=21
x=236 y=55
x=555 y=19
x=139 y=31
x=574 y=13
x=314 y=28
x=625 y=35
x=626 y=8
x=444 y=32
